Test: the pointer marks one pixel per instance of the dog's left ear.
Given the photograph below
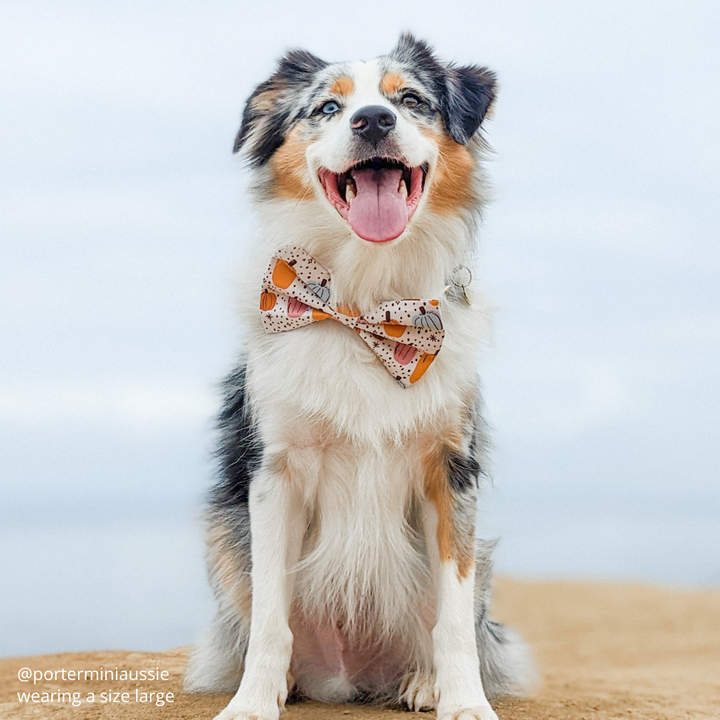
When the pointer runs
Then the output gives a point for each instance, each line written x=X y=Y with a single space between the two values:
x=464 y=94
x=469 y=93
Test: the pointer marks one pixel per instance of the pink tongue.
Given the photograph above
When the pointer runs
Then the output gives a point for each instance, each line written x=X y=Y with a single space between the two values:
x=379 y=212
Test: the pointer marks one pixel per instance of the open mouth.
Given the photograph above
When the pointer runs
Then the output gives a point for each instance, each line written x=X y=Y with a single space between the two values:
x=377 y=197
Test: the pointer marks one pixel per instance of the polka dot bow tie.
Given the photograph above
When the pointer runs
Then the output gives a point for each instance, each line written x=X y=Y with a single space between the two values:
x=406 y=335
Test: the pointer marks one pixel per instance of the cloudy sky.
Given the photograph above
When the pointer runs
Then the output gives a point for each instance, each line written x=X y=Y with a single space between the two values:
x=122 y=225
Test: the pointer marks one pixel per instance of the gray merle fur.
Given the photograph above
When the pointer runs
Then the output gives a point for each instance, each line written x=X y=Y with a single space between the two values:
x=463 y=94
x=239 y=449
x=296 y=72
x=506 y=667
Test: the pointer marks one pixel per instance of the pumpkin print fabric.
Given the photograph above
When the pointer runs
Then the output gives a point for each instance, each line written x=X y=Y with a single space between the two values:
x=405 y=335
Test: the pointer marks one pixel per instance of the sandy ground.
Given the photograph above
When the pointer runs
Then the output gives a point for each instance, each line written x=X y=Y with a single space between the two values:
x=604 y=651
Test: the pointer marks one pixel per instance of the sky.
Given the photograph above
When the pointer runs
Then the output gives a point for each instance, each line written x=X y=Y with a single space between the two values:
x=123 y=225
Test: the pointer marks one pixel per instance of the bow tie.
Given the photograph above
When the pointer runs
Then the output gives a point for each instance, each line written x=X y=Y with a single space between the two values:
x=405 y=335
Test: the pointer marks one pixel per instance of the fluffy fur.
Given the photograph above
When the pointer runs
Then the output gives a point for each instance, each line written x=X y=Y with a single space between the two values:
x=341 y=533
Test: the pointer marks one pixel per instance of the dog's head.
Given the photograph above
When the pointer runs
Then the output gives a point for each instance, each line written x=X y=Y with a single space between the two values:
x=379 y=145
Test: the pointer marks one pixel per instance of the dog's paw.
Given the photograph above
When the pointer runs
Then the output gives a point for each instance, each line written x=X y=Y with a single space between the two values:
x=261 y=700
x=484 y=712
x=229 y=714
x=418 y=692
x=239 y=711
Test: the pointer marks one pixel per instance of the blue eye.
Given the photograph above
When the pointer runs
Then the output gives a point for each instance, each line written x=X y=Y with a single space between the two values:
x=330 y=108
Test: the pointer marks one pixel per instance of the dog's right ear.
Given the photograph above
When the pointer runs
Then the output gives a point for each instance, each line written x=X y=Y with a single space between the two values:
x=275 y=105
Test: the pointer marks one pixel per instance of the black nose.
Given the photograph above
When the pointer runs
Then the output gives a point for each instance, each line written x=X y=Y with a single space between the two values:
x=372 y=123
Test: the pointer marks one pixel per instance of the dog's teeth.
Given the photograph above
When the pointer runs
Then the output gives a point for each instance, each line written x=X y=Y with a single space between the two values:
x=403 y=189
x=349 y=194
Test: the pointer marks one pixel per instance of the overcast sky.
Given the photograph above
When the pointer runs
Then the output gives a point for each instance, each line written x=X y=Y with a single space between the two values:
x=122 y=224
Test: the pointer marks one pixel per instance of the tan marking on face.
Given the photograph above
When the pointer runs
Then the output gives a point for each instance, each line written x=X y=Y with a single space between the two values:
x=342 y=86
x=451 y=187
x=438 y=491
x=224 y=568
x=290 y=168
x=392 y=83
x=264 y=101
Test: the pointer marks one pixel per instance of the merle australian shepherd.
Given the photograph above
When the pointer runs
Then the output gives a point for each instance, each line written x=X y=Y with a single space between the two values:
x=341 y=533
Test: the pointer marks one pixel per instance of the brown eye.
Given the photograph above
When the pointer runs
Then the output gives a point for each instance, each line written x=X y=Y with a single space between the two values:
x=410 y=100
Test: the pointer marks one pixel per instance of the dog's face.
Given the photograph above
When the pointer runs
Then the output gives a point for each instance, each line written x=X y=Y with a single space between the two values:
x=377 y=144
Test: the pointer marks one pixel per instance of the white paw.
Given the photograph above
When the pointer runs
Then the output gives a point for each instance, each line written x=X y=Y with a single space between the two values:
x=484 y=712
x=230 y=714
x=418 y=692
x=259 y=700
x=236 y=711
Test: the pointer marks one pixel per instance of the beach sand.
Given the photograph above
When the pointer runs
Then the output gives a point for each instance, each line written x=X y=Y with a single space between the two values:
x=603 y=650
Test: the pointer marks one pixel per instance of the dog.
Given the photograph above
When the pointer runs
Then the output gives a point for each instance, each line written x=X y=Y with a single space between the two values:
x=341 y=533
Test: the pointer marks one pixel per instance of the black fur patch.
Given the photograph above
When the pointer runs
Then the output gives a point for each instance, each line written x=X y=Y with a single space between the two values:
x=463 y=472
x=267 y=120
x=470 y=92
x=463 y=94
x=239 y=451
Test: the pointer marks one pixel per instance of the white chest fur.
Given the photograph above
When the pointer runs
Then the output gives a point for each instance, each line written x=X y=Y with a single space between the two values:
x=352 y=438
x=324 y=373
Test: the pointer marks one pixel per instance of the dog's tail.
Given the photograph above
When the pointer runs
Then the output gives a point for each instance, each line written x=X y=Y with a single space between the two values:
x=506 y=663
x=216 y=663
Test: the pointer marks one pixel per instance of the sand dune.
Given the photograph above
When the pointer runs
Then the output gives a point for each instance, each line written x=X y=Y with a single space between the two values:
x=604 y=651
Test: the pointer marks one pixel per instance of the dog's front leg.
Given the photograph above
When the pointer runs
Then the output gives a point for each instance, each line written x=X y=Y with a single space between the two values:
x=449 y=528
x=277 y=527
